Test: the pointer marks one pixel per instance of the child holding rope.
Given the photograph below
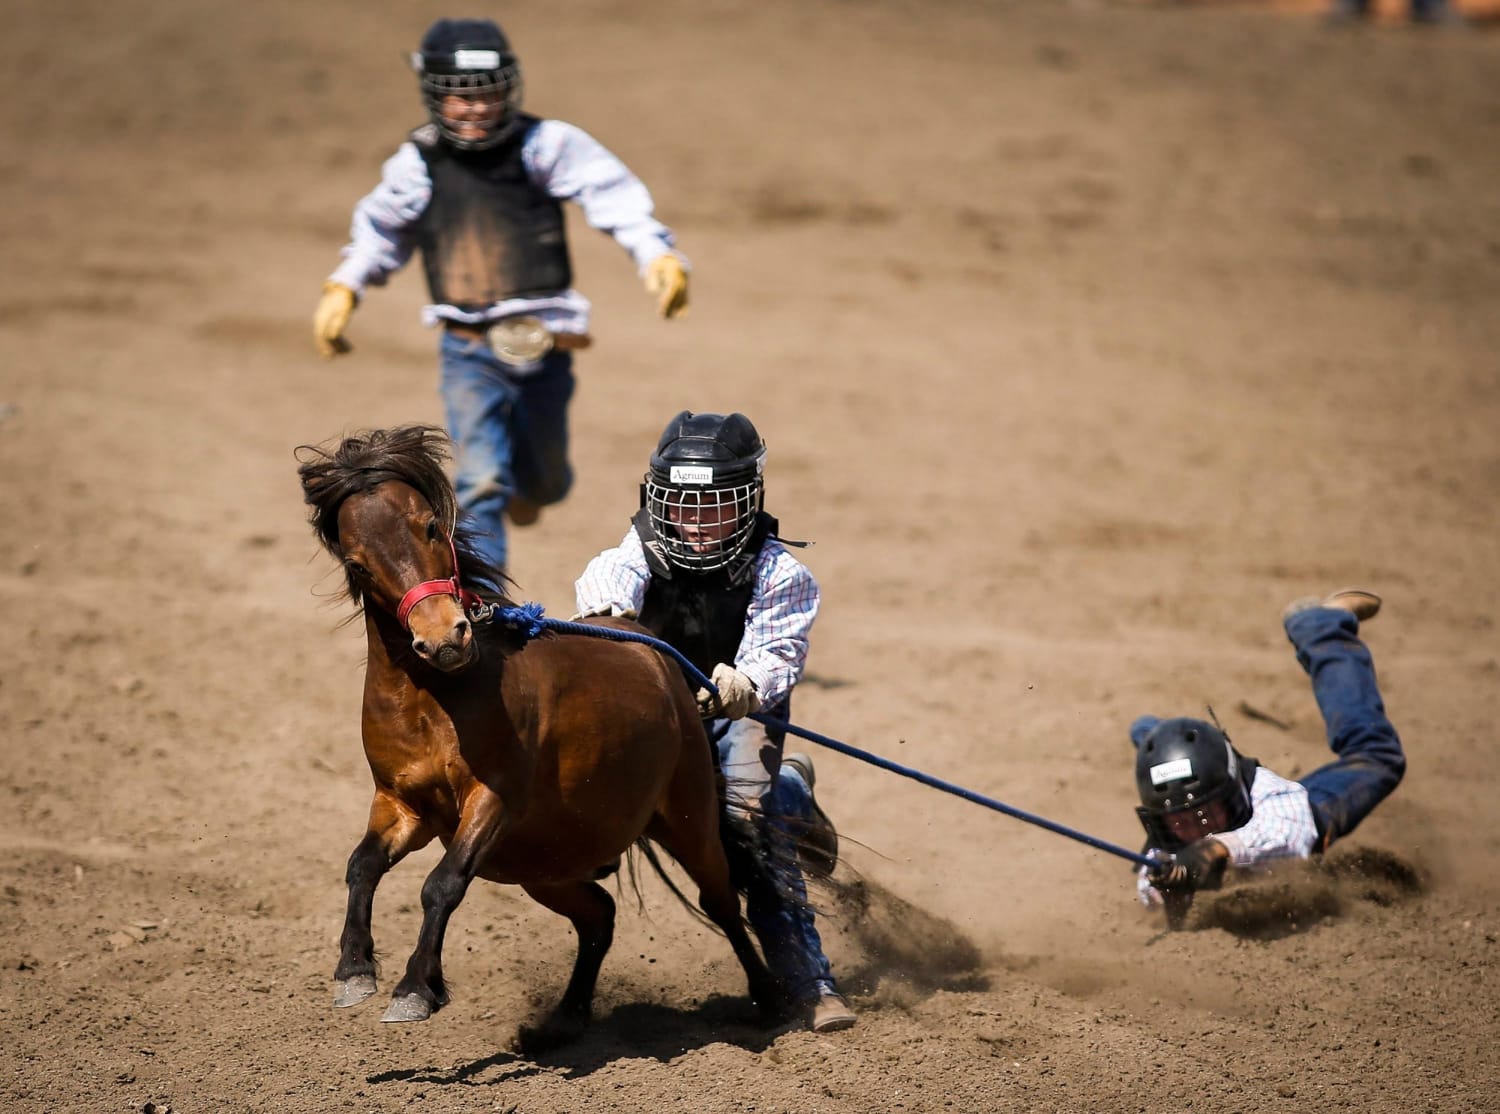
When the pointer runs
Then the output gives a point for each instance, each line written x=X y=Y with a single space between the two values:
x=1213 y=809
x=702 y=569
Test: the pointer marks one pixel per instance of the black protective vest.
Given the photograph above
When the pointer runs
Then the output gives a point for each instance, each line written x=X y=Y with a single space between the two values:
x=701 y=614
x=488 y=233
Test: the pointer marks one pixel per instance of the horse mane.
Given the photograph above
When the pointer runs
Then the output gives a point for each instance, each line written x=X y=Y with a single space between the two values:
x=415 y=455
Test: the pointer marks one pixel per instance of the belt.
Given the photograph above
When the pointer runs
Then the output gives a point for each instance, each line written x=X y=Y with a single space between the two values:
x=518 y=340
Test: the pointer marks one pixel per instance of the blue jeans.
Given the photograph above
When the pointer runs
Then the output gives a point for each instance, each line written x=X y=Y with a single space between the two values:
x=785 y=925
x=1370 y=760
x=510 y=434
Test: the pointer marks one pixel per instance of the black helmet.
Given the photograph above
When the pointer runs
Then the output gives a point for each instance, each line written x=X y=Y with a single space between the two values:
x=704 y=488
x=469 y=58
x=1192 y=782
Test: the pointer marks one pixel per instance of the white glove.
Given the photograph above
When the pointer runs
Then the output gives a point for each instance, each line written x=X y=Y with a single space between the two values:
x=737 y=694
x=607 y=610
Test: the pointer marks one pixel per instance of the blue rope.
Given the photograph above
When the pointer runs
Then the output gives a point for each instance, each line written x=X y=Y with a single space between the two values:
x=529 y=620
x=1151 y=862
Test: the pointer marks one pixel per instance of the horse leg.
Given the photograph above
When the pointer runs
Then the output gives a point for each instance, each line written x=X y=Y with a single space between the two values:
x=692 y=838
x=393 y=833
x=592 y=911
x=422 y=990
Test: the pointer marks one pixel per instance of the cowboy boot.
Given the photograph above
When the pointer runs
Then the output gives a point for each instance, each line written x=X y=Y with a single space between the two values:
x=818 y=841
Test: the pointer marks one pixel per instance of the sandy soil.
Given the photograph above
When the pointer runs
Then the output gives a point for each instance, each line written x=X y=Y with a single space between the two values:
x=1084 y=337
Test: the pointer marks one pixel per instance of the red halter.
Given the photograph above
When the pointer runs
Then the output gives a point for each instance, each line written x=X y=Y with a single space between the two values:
x=451 y=587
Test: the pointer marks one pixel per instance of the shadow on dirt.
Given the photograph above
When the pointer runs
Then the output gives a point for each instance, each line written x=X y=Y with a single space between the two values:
x=634 y=1031
x=904 y=953
x=1304 y=895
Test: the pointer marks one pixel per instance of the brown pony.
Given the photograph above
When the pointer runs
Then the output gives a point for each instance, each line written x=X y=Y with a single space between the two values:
x=537 y=763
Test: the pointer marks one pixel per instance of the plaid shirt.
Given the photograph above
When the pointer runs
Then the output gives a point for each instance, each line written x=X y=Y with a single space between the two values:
x=783 y=605
x=1281 y=827
x=562 y=160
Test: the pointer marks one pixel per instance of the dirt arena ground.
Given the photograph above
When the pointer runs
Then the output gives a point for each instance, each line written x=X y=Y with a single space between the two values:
x=1084 y=336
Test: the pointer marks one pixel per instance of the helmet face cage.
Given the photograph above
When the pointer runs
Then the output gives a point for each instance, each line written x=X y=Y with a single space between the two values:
x=1172 y=829
x=1208 y=818
x=672 y=503
x=470 y=73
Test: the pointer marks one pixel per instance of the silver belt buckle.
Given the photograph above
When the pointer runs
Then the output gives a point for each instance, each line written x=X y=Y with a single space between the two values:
x=520 y=341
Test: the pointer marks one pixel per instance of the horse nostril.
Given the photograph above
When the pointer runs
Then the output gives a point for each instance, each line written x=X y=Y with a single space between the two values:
x=461 y=628
x=421 y=646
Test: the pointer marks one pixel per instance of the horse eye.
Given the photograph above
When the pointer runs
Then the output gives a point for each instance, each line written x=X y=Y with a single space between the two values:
x=432 y=530
x=356 y=568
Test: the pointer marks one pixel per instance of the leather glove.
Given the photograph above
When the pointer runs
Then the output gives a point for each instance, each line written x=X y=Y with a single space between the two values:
x=1198 y=866
x=332 y=318
x=667 y=279
x=737 y=696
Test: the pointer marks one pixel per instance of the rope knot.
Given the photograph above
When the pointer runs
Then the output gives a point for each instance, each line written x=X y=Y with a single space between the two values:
x=524 y=617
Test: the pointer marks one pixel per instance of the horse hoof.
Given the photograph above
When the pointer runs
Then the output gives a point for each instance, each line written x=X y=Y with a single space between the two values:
x=354 y=990
x=411 y=1007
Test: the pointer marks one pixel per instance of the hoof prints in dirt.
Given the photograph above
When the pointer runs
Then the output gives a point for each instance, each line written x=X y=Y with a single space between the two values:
x=902 y=947
x=1309 y=895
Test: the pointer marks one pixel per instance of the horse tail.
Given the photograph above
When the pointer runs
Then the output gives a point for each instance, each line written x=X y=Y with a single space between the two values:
x=647 y=850
x=760 y=867
x=762 y=863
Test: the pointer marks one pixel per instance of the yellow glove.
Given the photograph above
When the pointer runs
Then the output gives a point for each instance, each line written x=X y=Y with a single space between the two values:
x=667 y=279
x=332 y=318
x=737 y=696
